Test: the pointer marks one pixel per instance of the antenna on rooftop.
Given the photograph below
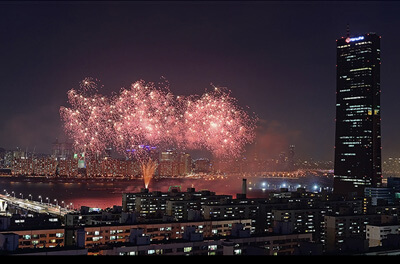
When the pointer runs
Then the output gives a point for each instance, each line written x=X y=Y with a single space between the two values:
x=348 y=30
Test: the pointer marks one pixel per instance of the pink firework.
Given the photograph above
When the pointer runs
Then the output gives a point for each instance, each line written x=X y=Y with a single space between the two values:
x=87 y=121
x=89 y=85
x=144 y=115
x=215 y=122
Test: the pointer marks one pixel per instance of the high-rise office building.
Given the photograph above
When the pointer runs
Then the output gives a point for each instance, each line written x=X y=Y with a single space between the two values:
x=358 y=116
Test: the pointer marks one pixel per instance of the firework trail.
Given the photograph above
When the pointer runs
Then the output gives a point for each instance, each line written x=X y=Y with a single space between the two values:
x=144 y=116
x=148 y=169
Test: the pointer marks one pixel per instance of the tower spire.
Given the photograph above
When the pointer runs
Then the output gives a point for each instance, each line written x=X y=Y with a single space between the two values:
x=348 y=30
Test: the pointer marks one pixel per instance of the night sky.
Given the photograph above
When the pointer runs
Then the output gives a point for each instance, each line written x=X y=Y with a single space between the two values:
x=277 y=58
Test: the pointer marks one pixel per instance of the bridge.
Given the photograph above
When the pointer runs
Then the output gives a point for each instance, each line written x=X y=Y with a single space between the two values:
x=296 y=174
x=32 y=206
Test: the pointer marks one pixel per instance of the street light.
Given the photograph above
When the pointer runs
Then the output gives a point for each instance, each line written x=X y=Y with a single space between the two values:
x=41 y=201
x=60 y=206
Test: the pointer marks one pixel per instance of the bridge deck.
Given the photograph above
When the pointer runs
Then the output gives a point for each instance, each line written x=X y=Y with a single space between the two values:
x=35 y=206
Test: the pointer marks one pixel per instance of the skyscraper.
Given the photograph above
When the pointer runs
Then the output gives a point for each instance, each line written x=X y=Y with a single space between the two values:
x=358 y=117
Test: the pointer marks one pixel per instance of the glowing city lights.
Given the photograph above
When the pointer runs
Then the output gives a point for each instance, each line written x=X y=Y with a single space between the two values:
x=348 y=40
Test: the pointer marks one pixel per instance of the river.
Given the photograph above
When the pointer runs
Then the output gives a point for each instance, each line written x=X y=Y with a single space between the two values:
x=96 y=194
x=107 y=194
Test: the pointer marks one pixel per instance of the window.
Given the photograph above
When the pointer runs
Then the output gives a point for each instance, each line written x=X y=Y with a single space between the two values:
x=237 y=252
x=187 y=249
x=212 y=247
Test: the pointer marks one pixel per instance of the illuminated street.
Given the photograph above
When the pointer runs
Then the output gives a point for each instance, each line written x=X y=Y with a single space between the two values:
x=35 y=206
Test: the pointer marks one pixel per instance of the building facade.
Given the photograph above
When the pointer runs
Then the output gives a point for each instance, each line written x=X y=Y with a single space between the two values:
x=376 y=233
x=236 y=245
x=358 y=115
x=340 y=229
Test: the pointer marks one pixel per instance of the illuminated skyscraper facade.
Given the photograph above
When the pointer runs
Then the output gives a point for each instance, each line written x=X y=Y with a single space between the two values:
x=358 y=116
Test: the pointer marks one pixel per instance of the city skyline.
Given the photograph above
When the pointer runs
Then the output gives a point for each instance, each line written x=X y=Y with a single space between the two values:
x=250 y=48
x=279 y=119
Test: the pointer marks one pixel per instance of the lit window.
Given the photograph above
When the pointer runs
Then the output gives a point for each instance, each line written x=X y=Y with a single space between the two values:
x=212 y=247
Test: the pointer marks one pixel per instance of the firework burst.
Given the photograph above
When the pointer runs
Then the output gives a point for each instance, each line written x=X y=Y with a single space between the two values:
x=87 y=121
x=144 y=116
x=215 y=122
